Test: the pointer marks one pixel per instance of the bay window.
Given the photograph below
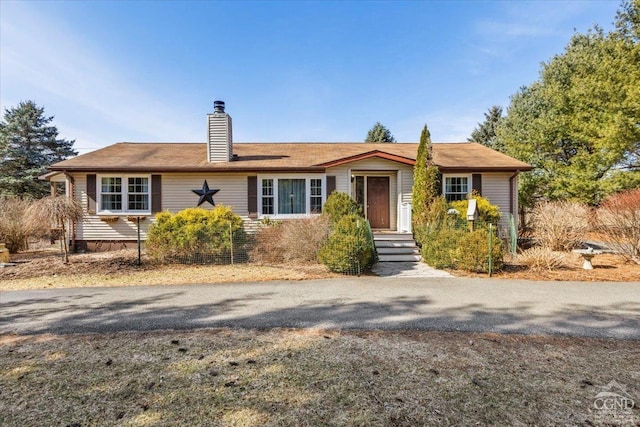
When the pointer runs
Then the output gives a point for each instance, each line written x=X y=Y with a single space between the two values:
x=288 y=196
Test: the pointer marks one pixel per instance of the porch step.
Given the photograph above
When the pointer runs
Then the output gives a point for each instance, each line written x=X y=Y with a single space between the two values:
x=396 y=247
x=399 y=258
x=404 y=250
x=392 y=236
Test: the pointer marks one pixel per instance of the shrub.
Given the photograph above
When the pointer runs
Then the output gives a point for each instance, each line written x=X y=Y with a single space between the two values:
x=196 y=235
x=439 y=245
x=541 y=258
x=472 y=253
x=487 y=213
x=618 y=222
x=296 y=240
x=339 y=205
x=434 y=216
x=349 y=248
x=15 y=224
x=560 y=226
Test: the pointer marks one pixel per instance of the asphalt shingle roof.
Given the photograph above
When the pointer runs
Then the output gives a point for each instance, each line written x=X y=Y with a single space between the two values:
x=192 y=157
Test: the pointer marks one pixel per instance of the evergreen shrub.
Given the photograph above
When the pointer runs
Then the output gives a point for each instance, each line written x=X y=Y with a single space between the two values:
x=472 y=253
x=339 y=205
x=349 y=248
x=196 y=235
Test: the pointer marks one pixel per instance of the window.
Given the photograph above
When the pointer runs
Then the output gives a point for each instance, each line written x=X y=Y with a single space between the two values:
x=288 y=196
x=291 y=196
x=316 y=196
x=115 y=197
x=267 y=197
x=456 y=187
x=138 y=193
x=360 y=192
x=111 y=194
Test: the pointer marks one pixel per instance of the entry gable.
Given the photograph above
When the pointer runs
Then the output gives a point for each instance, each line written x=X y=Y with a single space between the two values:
x=368 y=155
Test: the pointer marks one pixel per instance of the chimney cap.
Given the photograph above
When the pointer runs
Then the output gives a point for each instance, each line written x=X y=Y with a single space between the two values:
x=218 y=106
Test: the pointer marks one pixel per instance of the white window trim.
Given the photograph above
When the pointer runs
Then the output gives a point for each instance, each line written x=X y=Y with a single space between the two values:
x=125 y=196
x=456 y=175
x=276 y=177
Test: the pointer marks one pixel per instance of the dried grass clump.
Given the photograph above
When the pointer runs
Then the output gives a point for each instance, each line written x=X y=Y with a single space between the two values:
x=618 y=222
x=291 y=241
x=560 y=226
x=541 y=258
x=56 y=211
x=15 y=225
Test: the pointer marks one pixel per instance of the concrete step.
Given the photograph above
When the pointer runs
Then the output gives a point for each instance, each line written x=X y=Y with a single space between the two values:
x=398 y=251
x=392 y=236
x=395 y=244
x=396 y=247
x=399 y=258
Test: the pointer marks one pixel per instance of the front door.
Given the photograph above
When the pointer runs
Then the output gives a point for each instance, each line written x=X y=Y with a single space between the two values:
x=378 y=201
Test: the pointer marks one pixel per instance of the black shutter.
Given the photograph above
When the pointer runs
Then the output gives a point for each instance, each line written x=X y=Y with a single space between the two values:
x=331 y=185
x=252 y=196
x=91 y=193
x=476 y=184
x=156 y=193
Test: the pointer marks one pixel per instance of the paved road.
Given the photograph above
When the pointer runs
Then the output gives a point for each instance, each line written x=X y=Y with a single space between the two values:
x=445 y=304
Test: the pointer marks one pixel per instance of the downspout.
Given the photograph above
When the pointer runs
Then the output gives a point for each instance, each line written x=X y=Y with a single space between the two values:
x=511 y=178
x=72 y=195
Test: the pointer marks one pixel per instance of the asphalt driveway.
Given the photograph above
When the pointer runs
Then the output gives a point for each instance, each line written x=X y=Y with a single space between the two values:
x=443 y=304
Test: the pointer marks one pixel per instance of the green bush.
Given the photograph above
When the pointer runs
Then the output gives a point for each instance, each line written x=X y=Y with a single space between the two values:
x=458 y=248
x=349 y=248
x=440 y=244
x=339 y=205
x=487 y=213
x=435 y=218
x=472 y=253
x=196 y=235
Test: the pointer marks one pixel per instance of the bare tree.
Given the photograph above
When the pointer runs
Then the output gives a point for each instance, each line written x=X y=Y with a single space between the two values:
x=58 y=211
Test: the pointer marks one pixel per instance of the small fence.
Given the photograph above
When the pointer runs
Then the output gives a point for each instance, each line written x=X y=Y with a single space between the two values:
x=351 y=252
x=473 y=246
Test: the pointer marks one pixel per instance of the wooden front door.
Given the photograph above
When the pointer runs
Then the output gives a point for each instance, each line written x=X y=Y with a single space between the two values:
x=378 y=201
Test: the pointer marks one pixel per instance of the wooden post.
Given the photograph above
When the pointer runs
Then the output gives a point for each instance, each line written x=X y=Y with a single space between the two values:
x=139 y=242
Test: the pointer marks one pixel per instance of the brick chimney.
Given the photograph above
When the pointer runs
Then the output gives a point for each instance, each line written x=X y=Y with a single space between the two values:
x=219 y=138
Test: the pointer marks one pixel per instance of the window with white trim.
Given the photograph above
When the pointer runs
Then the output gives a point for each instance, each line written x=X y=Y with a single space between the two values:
x=316 y=196
x=133 y=197
x=291 y=196
x=456 y=187
x=267 y=197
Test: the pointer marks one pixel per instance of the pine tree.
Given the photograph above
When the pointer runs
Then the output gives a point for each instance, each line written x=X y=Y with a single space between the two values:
x=485 y=132
x=379 y=133
x=28 y=144
x=425 y=180
x=578 y=123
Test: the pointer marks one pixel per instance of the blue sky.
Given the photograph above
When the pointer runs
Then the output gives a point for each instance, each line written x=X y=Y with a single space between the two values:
x=288 y=71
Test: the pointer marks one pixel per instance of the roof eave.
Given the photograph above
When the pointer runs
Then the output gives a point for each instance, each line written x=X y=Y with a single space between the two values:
x=207 y=169
x=454 y=169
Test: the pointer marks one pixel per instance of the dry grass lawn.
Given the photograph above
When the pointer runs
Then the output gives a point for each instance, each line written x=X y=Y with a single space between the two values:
x=228 y=377
x=119 y=268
